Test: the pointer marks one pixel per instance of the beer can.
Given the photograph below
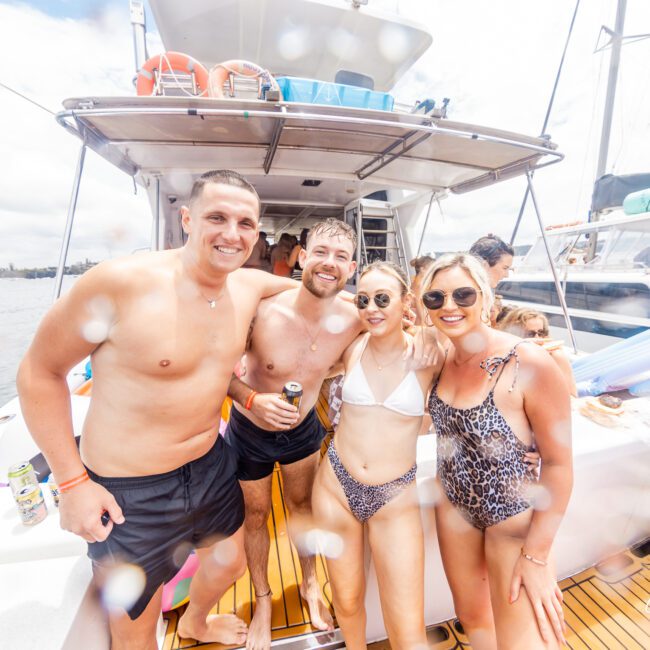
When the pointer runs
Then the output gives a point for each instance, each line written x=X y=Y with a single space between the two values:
x=31 y=504
x=292 y=393
x=54 y=489
x=21 y=475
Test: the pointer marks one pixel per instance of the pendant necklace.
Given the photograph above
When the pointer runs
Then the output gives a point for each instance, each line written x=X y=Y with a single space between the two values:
x=390 y=363
x=313 y=347
x=212 y=301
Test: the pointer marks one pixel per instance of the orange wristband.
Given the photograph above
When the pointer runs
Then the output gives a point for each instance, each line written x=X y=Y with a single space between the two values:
x=73 y=482
x=249 y=401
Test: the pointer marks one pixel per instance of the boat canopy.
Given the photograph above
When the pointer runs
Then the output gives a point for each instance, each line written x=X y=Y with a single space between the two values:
x=284 y=35
x=610 y=190
x=362 y=150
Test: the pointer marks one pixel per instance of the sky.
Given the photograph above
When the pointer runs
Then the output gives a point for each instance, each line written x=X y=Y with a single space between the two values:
x=495 y=60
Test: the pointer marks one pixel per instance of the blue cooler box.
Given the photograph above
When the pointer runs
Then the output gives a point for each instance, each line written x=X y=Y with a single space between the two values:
x=309 y=91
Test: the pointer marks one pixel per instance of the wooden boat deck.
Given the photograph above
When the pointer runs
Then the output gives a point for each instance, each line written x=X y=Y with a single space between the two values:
x=606 y=607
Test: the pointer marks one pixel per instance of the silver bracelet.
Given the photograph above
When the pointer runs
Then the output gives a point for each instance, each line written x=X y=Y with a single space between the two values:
x=532 y=559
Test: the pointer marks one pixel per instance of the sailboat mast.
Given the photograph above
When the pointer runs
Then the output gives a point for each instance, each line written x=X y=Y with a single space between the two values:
x=616 y=43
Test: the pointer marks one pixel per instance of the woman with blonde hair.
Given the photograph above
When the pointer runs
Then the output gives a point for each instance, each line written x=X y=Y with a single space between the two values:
x=496 y=397
x=532 y=324
x=368 y=477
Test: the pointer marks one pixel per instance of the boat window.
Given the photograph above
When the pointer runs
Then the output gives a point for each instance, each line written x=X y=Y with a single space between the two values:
x=575 y=295
x=630 y=247
x=629 y=298
x=537 y=258
x=527 y=291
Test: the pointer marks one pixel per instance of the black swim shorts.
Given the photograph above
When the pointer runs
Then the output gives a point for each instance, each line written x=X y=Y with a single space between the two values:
x=168 y=514
x=259 y=449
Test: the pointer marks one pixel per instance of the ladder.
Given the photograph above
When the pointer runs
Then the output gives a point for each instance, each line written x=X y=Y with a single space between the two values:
x=380 y=234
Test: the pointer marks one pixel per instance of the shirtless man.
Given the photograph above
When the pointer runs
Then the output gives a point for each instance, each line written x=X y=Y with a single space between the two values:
x=165 y=330
x=301 y=336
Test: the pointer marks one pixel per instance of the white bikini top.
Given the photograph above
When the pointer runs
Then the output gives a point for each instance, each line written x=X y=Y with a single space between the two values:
x=406 y=399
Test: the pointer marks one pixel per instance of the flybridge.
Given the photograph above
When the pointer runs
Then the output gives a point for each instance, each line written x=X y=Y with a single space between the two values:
x=313 y=39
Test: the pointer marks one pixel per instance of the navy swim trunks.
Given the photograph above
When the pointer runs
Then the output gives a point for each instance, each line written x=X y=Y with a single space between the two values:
x=168 y=514
x=259 y=449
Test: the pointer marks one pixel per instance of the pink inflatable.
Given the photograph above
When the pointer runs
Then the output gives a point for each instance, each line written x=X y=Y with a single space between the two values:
x=177 y=591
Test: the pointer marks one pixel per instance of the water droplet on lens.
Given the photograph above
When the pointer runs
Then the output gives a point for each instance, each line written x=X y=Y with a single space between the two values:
x=124 y=585
x=334 y=324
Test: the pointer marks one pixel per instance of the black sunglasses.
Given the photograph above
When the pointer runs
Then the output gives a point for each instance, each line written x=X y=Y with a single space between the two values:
x=532 y=334
x=382 y=300
x=463 y=297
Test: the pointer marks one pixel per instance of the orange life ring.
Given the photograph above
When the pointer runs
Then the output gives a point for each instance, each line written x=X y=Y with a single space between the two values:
x=222 y=71
x=171 y=62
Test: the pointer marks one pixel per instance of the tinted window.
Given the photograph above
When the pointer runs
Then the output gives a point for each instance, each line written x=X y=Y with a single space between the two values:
x=630 y=299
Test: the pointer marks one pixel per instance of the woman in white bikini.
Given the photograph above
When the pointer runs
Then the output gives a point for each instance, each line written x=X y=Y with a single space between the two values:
x=368 y=477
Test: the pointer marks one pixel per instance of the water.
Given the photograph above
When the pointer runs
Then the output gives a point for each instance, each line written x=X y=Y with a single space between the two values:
x=22 y=305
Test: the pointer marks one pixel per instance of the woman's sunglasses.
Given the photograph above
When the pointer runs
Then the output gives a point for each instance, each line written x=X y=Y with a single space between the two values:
x=531 y=334
x=463 y=297
x=382 y=300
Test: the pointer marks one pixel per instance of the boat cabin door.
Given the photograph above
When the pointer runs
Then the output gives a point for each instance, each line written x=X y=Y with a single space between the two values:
x=379 y=236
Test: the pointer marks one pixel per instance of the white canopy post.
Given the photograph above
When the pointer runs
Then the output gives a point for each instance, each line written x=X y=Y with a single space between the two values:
x=68 y=224
x=556 y=279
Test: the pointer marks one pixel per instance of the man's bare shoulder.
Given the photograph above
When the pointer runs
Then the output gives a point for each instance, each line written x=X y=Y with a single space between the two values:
x=260 y=284
x=130 y=272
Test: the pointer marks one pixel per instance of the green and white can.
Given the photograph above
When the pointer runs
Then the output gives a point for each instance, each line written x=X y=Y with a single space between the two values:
x=20 y=475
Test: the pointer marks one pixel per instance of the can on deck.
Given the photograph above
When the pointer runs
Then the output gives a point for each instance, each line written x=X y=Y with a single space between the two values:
x=54 y=489
x=292 y=393
x=20 y=475
x=31 y=504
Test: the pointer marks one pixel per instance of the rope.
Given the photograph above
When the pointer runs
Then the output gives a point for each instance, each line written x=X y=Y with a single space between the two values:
x=172 y=72
x=31 y=101
x=546 y=117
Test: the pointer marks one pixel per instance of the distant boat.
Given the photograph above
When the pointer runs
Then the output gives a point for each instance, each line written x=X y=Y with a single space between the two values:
x=608 y=296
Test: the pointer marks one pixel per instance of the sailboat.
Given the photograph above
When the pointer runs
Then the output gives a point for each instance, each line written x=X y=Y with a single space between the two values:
x=603 y=263
x=379 y=167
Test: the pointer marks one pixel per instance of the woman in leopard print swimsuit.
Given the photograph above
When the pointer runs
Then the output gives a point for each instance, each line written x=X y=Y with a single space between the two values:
x=495 y=523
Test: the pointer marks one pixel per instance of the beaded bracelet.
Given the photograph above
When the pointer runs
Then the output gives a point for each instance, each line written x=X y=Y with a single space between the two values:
x=73 y=482
x=249 y=401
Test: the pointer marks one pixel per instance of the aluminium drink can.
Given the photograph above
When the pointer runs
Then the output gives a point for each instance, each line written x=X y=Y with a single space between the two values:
x=20 y=475
x=54 y=490
x=31 y=504
x=292 y=393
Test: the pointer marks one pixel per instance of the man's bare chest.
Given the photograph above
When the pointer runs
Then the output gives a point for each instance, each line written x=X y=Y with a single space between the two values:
x=286 y=348
x=178 y=339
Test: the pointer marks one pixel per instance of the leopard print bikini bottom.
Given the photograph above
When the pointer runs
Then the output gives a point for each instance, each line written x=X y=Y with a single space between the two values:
x=365 y=500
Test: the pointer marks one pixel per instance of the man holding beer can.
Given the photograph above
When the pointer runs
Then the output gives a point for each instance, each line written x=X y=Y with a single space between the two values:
x=296 y=341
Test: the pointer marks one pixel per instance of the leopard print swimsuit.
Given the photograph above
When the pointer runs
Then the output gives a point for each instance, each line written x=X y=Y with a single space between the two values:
x=480 y=460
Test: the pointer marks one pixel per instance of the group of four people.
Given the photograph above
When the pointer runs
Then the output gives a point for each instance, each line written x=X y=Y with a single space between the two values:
x=175 y=323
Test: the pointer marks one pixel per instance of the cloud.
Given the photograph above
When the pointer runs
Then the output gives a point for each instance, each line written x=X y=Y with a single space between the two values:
x=54 y=58
x=496 y=61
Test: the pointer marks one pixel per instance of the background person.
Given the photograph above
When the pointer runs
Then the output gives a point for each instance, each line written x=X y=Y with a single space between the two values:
x=496 y=255
x=294 y=262
x=280 y=256
x=533 y=325
x=259 y=256
x=488 y=410
x=420 y=264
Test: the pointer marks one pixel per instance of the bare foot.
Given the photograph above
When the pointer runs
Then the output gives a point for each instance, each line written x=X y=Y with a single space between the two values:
x=224 y=628
x=319 y=612
x=259 y=632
